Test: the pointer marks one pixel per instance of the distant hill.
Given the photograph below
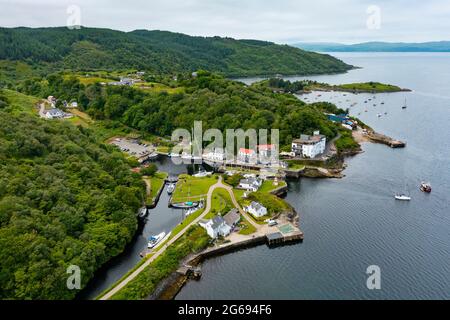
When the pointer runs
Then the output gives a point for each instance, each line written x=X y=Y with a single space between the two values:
x=441 y=46
x=157 y=51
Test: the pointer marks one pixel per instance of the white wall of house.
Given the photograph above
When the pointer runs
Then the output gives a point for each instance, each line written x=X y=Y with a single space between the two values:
x=257 y=213
x=313 y=150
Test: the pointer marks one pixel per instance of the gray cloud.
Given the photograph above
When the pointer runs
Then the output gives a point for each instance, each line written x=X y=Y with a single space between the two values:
x=282 y=21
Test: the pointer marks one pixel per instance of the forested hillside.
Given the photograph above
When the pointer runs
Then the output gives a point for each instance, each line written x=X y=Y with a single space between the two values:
x=218 y=102
x=65 y=199
x=156 y=51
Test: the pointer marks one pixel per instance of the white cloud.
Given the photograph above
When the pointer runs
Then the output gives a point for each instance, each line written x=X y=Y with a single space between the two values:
x=280 y=21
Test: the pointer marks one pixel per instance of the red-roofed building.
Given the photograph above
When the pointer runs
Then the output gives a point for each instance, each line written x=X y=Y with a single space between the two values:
x=247 y=155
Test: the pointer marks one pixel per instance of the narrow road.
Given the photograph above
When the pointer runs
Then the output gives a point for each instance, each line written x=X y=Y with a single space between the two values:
x=42 y=110
x=133 y=275
x=236 y=204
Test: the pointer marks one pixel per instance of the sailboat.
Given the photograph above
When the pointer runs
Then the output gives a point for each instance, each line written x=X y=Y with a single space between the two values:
x=405 y=105
x=402 y=196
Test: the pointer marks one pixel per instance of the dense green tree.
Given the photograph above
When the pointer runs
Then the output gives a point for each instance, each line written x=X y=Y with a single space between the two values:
x=65 y=199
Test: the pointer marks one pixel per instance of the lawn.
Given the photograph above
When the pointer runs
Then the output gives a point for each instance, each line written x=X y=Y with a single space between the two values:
x=246 y=227
x=221 y=203
x=273 y=204
x=156 y=183
x=269 y=186
x=295 y=166
x=192 y=188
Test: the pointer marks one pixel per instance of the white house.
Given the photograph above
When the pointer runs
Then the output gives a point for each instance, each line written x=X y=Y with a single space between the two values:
x=256 y=209
x=216 y=227
x=250 y=184
x=247 y=156
x=54 y=113
x=309 y=146
x=217 y=155
x=73 y=104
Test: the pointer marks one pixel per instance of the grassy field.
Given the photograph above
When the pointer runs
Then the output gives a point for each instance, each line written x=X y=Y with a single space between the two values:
x=246 y=227
x=370 y=87
x=80 y=118
x=269 y=186
x=273 y=204
x=145 y=283
x=20 y=102
x=91 y=80
x=156 y=183
x=221 y=203
x=346 y=142
x=163 y=149
x=191 y=188
x=157 y=87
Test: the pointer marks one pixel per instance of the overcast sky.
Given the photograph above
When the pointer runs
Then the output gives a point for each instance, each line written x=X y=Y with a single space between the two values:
x=281 y=21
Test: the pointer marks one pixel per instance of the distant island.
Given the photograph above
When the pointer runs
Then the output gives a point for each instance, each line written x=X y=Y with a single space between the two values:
x=28 y=52
x=286 y=86
x=438 y=46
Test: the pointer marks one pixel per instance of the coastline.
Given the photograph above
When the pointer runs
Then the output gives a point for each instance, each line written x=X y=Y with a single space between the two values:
x=169 y=288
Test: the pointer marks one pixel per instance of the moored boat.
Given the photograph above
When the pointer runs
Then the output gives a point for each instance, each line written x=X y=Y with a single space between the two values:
x=142 y=213
x=402 y=197
x=184 y=205
x=171 y=188
x=154 y=240
x=425 y=187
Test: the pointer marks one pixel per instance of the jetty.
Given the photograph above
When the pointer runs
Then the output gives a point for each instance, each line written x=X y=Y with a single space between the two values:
x=383 y=139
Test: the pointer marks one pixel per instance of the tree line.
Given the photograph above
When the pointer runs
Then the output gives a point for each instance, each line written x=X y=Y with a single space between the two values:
x=65 y=199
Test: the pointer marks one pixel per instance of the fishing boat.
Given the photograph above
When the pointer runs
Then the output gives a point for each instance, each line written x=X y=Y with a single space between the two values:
x=402 y=197
x=154 y=240
x=171 y=188
x=425 y=187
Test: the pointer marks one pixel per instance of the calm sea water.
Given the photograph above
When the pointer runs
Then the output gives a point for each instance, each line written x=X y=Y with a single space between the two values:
x=354 y=222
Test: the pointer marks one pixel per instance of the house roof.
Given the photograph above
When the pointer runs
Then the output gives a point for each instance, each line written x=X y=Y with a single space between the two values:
x=246 y=151
x=250 y=180
x=232 y=217
x=55 y=112
x=266 y=147
x=217 y=221
x=306 y=139
x=256 y=205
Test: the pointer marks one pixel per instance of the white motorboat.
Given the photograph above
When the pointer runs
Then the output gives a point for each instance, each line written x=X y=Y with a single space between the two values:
x=202 y=174
x=154 y=240
x=402 y=197
x=171 y=188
